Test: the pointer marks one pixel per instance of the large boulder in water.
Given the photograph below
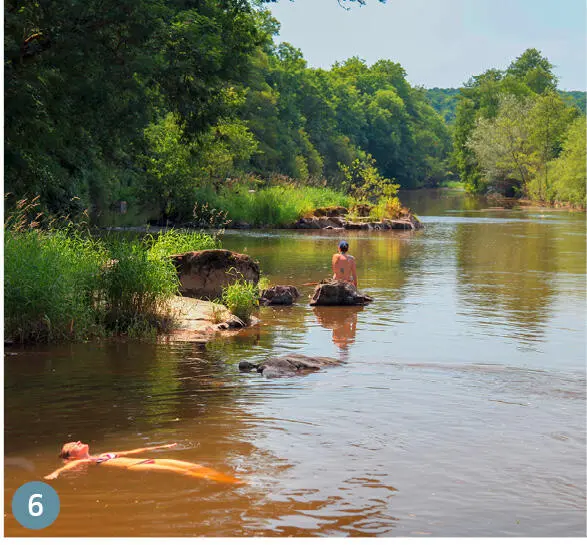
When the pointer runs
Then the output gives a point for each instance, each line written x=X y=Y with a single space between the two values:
x=203 y=274
x=337 y=293
x=279 y=295
x=288 y=366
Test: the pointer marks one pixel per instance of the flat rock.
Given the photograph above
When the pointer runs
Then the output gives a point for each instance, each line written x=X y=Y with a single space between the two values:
x=336 y=293
x=288 y=365
x=197 y=320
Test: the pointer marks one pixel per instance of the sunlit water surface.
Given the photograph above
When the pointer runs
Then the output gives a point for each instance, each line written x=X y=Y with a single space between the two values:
x=460 y=410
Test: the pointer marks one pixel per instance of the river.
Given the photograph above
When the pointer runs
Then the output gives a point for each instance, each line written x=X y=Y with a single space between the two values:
x=460 y=410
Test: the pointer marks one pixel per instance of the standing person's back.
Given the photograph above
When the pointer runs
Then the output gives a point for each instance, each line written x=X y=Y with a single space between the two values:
x=344 y=266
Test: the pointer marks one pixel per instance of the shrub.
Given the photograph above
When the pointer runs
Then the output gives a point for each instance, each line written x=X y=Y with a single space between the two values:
x=137 y=287
x=51 y=285
x=386 y=208
x=64 y=284
x=241 y=298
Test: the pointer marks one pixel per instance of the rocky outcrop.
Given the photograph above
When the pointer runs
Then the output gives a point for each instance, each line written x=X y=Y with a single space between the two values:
x=203 y=274
x=331 y=211
x=407 y=221
x=279 y=295
x=195 y=320
x=337 y=293
x=288 y=366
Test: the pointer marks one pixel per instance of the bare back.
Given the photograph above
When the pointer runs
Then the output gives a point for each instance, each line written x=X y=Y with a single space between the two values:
x=344 y=268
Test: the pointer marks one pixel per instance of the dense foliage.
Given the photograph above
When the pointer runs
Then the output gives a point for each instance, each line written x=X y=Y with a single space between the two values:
x=189 y=108
x=511 y=126
x=62 y=283
x=83 y=80
x=162 y=101
x=444 y=101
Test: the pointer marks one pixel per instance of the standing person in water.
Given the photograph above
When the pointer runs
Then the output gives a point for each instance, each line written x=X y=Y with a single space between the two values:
x=344 y=266
x=77 y=454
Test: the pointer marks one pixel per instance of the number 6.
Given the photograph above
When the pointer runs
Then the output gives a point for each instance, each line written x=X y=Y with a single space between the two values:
x=35 y=507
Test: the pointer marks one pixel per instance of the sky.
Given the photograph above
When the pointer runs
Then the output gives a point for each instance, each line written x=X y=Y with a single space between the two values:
x=440 y=43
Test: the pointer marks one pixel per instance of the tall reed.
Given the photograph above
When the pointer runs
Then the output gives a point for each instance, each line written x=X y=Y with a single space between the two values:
x=273 y=206
x=65 y=284
x=52 y=282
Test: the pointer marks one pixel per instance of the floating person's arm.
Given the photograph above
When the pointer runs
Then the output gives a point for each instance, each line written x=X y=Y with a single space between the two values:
x=144 y=449
x=69 y=465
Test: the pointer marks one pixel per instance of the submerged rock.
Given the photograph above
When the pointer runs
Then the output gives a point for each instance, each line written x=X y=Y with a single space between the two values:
x=279 y=295
x=203 y=274
x=287 y=366
x=335 y=293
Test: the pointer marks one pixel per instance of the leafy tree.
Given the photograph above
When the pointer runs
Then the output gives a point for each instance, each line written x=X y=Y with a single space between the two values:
x=575 y=98
x=530 y=75
x=534 y=70
x=444 y=101
x=515 y=148
x=82 y=80
x=568 y=170
x=549 y=119
x=501 y=145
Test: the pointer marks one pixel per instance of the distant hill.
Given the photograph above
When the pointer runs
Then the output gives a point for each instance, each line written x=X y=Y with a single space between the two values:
x=575 y=97
x=444 y=101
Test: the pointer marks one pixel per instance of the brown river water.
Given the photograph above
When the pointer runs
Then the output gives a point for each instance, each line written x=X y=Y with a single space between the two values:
x=460 y=410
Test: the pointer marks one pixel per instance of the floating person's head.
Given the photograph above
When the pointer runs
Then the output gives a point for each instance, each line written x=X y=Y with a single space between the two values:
x=73 y=450
x=343 y=246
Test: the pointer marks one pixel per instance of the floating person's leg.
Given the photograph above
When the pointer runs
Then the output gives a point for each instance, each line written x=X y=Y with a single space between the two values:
x=183 y=468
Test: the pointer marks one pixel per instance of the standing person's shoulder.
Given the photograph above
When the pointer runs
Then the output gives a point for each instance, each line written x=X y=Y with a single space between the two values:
x=350 y=257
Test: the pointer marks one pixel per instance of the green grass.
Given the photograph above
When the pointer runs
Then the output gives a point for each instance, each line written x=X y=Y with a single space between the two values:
x=137 y=287
x=177 y=241
x=52 y=286
x=241 y=298
x=64 y=284
x=275 y=206
x=452 y=185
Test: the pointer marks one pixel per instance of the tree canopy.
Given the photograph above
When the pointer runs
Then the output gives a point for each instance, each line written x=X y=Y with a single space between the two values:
x=166 y=101
x=510 y=126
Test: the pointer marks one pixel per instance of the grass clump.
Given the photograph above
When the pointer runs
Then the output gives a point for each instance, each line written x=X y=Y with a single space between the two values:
x=52 y=282
x=241 y=298
x=137 y=287
x=62 y=283
x=176 y=241
x=275 y=206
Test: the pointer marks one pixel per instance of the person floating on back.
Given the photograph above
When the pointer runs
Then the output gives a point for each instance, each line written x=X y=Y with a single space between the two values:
x=344 y=266
x=78 y=454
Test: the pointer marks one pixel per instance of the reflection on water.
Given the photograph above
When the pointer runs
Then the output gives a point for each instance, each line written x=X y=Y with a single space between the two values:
x=343 y=323
x=463 y=389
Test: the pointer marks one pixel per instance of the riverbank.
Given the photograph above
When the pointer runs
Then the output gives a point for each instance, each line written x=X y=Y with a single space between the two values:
x=524 y=203
x=66 y=284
